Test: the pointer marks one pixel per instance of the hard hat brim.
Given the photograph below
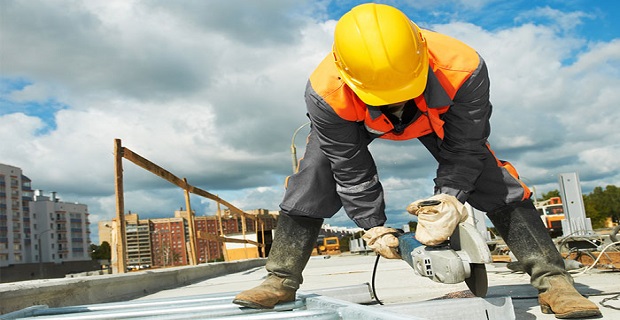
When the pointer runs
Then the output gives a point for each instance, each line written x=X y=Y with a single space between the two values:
x=383 y=97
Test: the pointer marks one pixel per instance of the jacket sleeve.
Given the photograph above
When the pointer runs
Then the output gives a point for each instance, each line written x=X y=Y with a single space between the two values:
x=466 y=130
x=345 y=144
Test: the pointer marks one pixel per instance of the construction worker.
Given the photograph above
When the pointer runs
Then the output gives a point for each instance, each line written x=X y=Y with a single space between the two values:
x=387 y=78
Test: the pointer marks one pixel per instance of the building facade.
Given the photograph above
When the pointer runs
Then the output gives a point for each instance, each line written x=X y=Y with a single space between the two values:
x=15 y=219
x=61 y=229
x=138 y=243
x=36 y=228
x=168 y=238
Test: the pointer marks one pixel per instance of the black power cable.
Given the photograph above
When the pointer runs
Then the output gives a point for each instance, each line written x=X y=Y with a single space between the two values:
x=374 y=272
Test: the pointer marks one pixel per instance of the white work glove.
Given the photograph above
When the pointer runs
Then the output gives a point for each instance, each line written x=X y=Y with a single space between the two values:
x=383 y=241
x=438 y=216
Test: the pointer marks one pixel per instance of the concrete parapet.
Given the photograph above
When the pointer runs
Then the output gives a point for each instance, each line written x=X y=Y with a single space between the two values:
x=113 y=287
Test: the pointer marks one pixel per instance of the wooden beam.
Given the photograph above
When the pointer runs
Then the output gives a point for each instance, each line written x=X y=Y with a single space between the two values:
x=122 y=152
x=191 y=226
x=213 y=237
x=121 y=266
x=166 y=175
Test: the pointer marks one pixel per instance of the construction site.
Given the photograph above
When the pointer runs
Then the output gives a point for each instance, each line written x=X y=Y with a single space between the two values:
x=340 y=282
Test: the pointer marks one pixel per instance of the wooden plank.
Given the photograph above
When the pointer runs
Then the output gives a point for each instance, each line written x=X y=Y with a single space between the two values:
x=501 y=258
x=120 y=265
x=209 y=236
x=168 y=176
x=192 y=227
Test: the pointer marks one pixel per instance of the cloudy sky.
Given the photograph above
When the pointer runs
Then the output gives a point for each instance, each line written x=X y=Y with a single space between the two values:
x=213 y=91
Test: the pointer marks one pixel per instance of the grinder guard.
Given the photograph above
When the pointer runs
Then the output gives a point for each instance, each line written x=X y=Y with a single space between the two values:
x=459 y=259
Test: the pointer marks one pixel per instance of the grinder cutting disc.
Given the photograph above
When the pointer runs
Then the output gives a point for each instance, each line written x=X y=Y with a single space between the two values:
x=477 y=281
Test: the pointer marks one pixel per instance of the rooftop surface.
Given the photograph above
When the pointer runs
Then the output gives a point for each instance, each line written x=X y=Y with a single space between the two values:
x=399 y=288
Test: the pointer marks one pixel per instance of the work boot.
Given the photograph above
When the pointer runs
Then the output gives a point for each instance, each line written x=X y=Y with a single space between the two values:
x=294 y=240
x=563 y=299
x=520 y=226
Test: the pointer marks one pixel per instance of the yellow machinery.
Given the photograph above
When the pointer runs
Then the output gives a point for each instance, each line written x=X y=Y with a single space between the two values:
x=328 y=245
x=552 y=213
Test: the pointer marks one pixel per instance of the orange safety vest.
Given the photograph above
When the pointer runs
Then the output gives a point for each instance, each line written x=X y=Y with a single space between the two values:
x=452 y=62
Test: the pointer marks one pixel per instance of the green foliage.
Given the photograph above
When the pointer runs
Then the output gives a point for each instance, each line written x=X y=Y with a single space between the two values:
x=345 y=243
x=413 y=225
x=549 y=195
x=102 y=252
x=603 y=203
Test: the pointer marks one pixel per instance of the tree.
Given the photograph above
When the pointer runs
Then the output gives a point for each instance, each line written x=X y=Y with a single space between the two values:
x=345 y=243
x=549 y=195
x=602 y=204
x=413 y=225
x=102 y=252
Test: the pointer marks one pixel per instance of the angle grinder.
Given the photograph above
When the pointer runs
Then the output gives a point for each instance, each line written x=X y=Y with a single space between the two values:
x=460 y=258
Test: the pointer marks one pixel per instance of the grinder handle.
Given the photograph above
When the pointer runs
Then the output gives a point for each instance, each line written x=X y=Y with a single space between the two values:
x=428 y=203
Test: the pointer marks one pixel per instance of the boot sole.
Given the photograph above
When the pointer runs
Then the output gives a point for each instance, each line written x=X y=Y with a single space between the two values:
x=251 y=304
x=571 y=315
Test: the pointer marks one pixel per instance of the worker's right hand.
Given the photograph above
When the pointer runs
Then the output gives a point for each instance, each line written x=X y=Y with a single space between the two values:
x=383 y=241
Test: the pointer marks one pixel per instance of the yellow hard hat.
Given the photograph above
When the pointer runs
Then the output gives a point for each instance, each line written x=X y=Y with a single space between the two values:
x=380 y=54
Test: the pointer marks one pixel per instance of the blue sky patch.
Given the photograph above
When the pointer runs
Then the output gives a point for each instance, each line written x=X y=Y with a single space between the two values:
x=45 y=110
x=593 y=20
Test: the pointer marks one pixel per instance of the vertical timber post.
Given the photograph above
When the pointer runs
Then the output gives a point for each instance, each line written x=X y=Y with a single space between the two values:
x=262 y=230
x=193 y=259
x=120 y=265
x=219 y=219
x=243 y=231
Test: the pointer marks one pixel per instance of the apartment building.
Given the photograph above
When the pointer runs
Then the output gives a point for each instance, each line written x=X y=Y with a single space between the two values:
x=15 y=219
x=138 y=242
x=37 y=228
x=164 y=242
x=61 y=229
x=170 y=238
x=208 y=250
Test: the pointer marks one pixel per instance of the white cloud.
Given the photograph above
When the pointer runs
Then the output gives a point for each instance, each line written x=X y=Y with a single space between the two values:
x=32 y=93
x=431 y=4
x=562 y=21
x=547 y=109
x=217 y=100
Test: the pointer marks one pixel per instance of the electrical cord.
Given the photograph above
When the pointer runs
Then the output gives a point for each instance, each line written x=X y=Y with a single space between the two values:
x=597 y=259
x=374 y=272
x=602 y=302
x=616 y=297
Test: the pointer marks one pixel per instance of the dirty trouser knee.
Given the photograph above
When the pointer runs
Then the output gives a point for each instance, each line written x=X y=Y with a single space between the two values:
x=294 y=240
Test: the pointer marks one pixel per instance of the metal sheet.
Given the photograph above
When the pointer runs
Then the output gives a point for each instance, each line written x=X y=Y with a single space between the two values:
x=307 y=306
x=496 y=308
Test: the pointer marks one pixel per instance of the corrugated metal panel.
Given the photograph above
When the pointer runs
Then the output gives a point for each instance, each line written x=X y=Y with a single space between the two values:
x=215 y=306
x=318 y=305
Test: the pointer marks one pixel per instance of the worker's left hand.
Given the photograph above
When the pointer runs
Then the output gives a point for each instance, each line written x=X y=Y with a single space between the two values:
x=438 y=216
x=383 y=241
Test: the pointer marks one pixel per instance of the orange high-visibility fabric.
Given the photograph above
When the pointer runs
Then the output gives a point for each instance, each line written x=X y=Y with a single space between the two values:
x=451 y=70
x=513 y=172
